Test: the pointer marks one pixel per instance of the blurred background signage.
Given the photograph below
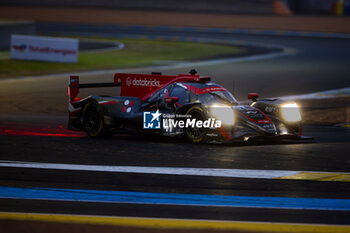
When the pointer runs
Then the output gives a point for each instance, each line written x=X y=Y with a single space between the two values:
x=44 y=48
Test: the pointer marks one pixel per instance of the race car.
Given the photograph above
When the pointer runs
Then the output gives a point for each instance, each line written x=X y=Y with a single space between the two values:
x=185 y=105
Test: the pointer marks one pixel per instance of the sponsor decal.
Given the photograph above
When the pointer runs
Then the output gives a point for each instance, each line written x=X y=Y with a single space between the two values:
x=128 y=81
x=40 y=48
x=199 y=91
x=142 y=82
x=212 y=134
x=46 y=49
x=73 y=80
x=263 y=121
x=21 y=47
x=271 y=109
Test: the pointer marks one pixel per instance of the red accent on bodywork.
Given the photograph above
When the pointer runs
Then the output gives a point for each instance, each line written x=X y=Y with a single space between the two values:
x=226 y=135
x=301 y=131
x=124 y=109
x=266 y=121
x=253 y=96
x=73 y=88
x=194 y=90
x=267 y=118
x=199 y=91
x=109 y=102
x=144 y=85
x=211 y=89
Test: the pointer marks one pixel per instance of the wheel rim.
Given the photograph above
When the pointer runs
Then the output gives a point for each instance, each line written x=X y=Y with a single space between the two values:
x=92 y=120
x=196 y=134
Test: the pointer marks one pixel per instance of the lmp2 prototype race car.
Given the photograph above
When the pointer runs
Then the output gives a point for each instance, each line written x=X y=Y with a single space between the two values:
x=185 y=105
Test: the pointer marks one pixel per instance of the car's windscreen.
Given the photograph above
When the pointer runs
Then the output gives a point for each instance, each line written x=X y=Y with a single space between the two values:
x=215 y=97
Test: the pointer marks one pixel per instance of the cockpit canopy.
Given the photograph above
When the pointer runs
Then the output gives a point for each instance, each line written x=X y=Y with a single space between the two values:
x=190 y=92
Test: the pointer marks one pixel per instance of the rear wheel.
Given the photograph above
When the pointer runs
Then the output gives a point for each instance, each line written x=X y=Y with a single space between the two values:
x=195 y=134
x=93 y=121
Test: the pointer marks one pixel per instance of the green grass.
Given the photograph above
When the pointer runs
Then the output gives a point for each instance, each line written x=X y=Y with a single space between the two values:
x=137 y=52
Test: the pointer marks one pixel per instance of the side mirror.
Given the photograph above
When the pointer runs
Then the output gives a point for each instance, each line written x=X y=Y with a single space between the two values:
x=171 y=99
x=253 y=96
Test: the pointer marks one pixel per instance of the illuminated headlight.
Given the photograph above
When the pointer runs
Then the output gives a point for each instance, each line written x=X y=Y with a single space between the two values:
x=290 y=112
x=223 y=113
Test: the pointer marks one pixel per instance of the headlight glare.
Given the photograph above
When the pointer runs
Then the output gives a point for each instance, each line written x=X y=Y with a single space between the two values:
x=223 y=113
x=290 y=112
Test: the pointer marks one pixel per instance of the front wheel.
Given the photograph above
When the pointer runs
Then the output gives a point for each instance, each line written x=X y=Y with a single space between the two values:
x=93 y=121
x=195 y=134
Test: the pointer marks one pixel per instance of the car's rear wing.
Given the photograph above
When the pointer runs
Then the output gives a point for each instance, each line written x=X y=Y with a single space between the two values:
x=135 y=85
x=73 y=87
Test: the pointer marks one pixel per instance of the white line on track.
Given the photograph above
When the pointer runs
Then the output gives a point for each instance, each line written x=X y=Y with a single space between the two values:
x=214 y=172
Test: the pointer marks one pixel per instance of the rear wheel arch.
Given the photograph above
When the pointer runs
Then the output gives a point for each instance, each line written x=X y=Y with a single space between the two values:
x=185 y=108
x=93 y=120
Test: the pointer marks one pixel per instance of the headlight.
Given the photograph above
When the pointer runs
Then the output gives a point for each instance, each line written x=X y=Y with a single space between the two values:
x=290 y=112
x=223 y=113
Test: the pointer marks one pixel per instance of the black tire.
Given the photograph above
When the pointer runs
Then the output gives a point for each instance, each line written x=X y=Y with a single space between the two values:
x=93 y=121
x=195 y=134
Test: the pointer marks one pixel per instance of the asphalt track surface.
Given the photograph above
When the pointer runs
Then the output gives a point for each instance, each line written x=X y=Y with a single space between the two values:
x=32 y=129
